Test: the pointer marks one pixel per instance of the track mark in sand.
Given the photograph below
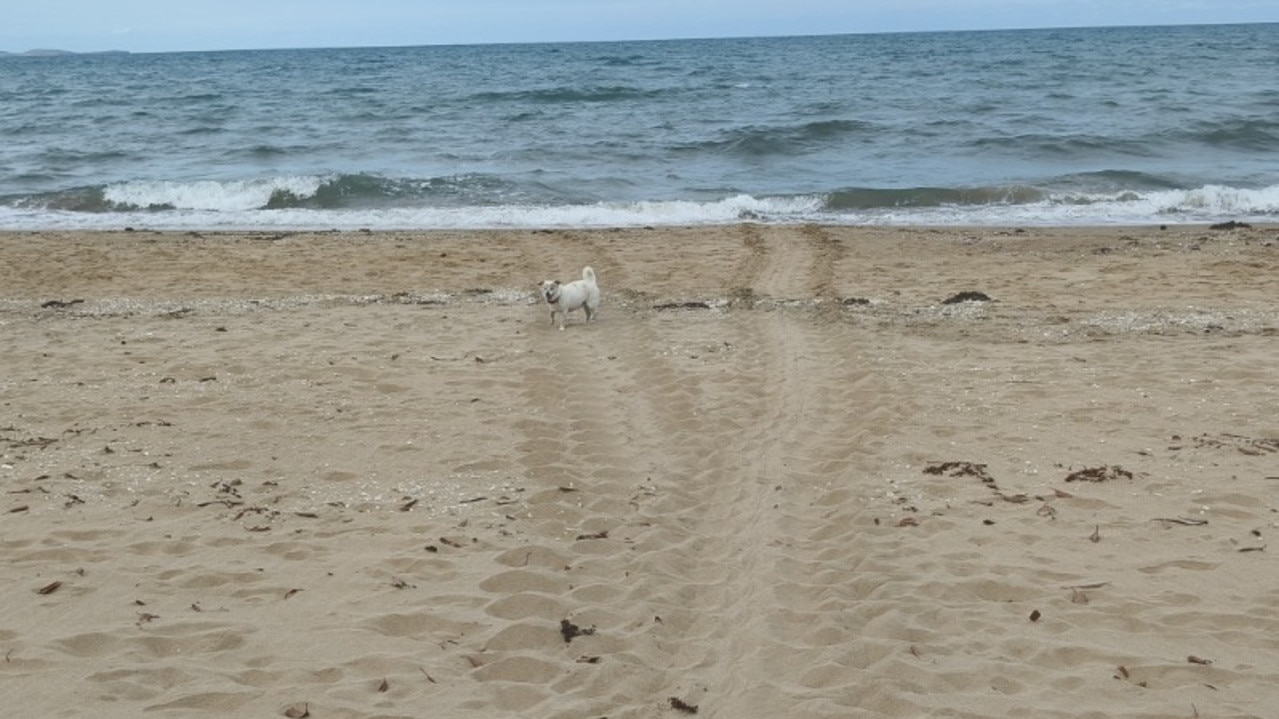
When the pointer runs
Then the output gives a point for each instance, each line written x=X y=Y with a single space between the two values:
x=588 y=452
x=827 y=252
x=748 y=274
x=681 y=502
x=814 y=412
x=787 y=263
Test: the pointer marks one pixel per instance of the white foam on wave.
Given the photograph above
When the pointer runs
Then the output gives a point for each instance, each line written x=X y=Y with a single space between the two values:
x=247 y=215
x=1211 y=203
x=210 y=195
x=239 y=206
x=1219 y=199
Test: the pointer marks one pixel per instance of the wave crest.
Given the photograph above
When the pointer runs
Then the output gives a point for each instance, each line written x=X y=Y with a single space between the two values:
x=221 y=196
x=482 y=201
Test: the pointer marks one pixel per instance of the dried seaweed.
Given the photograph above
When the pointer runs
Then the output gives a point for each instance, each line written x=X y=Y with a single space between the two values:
x=694 y=305
x=571 y=631
x=681 y=705
x=60 y=304
x=1104 y=473
x=967 y=296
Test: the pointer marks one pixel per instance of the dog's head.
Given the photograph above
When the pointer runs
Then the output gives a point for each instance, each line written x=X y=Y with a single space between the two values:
x=551 y=291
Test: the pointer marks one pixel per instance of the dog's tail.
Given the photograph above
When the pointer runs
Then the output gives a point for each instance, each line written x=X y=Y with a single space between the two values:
x=588 y=274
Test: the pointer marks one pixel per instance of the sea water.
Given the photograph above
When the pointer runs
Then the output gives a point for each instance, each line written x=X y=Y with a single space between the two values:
x=1071 y=126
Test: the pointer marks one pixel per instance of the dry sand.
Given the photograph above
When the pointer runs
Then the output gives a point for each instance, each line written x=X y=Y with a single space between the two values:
x=360 y=475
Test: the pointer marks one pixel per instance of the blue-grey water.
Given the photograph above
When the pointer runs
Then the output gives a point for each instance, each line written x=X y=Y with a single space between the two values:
x=1073 y=126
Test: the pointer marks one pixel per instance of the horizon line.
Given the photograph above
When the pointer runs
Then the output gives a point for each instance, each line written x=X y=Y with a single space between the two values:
x=37 y=52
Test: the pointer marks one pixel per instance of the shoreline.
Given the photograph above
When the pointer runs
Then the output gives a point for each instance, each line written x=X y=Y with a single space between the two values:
x=360 y=474
x=895 y=274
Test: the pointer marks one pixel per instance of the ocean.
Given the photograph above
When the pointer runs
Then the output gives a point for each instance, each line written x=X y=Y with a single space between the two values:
x=1132 y=125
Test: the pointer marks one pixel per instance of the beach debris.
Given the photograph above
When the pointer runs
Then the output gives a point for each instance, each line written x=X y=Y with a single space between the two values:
x=228 y=503
x=1103 y=473
x=146 y=618
x=571 y=631
x=1230 y=225
x=908 y=521
x=1123 y=673
x=1185 y=521
x=298 y=711
x=967 y=296
x=1035 y=615
x=691 y=305
x=20 y=508
x=1198 y=660
x=49 y=588
x=269 y=513
x=40 y=442
x=588 y=659
x=232 y=487
x=1096 y=534
x=602 y=534
x=60 y=304
x=961 y=469
x=383 y=686
x=974 y=469
x=683 y=706
x=1077 y=597
x=1251 y=446
x=1094 y=585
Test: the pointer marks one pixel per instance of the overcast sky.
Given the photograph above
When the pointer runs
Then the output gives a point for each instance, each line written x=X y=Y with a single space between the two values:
x=169 y=25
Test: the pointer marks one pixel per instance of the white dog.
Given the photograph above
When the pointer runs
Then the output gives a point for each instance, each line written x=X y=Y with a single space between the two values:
x=564 y=298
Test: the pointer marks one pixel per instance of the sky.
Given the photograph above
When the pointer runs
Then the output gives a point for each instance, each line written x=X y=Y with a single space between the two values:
x=170 y=25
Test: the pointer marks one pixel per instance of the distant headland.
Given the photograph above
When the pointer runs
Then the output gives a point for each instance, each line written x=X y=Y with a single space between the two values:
x=42 y=52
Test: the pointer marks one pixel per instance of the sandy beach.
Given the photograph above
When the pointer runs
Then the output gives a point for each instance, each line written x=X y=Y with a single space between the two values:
x=790 y=471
